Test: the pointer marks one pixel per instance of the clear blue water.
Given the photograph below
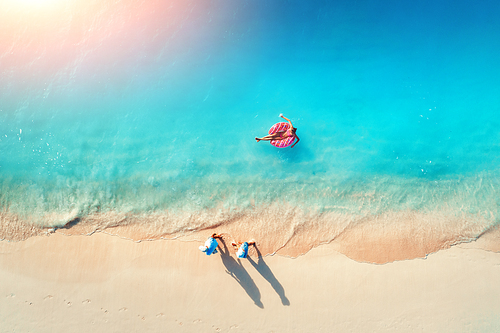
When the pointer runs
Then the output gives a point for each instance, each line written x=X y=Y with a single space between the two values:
x=152 y=108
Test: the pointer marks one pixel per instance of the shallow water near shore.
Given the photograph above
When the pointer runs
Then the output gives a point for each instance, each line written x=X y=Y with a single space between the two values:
x=139 y=119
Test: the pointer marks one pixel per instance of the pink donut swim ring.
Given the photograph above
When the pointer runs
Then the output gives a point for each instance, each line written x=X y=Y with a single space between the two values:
x=281 y=127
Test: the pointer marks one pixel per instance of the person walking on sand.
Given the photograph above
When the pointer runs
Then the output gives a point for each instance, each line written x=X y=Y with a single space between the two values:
x=243 y=249
x=211 y=244
x=290 y=132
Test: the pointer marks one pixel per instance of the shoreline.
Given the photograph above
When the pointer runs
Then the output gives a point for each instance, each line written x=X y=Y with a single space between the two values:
x=104 y=283
x=380 y=238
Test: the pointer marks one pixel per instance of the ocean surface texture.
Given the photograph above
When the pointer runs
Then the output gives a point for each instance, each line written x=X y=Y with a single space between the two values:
x=138 y=118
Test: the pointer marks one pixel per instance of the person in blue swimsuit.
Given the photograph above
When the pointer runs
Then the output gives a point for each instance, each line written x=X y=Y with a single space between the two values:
x=243 y=249
x=211 y=244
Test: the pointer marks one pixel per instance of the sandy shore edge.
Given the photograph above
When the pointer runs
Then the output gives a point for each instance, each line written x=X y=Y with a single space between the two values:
x=103 y=283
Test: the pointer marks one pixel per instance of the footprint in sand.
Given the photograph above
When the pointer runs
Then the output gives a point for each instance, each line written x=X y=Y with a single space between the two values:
x=196 y=321
x=11 y=296
x=29 y=303
x=69 y=303
x=233 y=326
x=87 y=301
x=48 y=297
x=216 y=329
x=160 y=315
x=104 y=310
x=123 y=309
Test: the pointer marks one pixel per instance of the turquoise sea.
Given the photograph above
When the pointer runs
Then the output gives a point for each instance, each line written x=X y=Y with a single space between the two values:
x=141 y=116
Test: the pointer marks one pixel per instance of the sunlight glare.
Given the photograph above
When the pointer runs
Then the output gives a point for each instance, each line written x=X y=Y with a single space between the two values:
x=36 y=3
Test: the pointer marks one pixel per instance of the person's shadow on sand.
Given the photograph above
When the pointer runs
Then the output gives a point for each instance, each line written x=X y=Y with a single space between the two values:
x=266 y=273
x=239 y=273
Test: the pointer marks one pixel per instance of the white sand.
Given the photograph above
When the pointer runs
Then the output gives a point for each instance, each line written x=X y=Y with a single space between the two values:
x=102 y=283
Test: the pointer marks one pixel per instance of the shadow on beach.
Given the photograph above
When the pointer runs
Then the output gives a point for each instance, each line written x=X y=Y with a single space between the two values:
x=266 y=273
x=239 y=273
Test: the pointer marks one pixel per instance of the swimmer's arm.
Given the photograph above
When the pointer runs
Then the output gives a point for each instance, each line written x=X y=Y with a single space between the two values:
x=282 y=116
x=296 y=141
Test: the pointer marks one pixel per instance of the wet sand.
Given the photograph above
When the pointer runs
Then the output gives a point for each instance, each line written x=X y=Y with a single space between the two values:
x=103 y=283
x=379 y=238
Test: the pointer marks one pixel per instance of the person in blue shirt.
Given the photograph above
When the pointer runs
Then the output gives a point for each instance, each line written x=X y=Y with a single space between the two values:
x=243 y=249
x=211 y=244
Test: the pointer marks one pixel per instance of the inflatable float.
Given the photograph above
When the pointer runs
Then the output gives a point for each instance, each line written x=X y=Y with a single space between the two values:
x=281 y=127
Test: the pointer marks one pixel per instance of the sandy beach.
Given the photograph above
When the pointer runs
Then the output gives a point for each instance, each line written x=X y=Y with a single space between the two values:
x=127 y=138
x=103 y=283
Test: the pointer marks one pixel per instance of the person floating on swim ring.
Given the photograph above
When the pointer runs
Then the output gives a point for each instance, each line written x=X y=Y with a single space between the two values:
x=290 y=132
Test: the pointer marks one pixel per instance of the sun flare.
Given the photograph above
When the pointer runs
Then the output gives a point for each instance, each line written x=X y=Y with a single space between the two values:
x=35 y=3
